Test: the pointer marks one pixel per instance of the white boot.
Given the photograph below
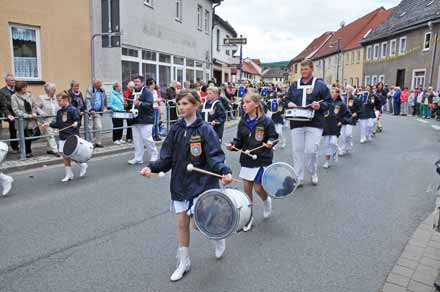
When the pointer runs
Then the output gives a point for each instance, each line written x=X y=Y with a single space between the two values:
x=6 y=183
x=69 y=175
x=267 y=208
x=326 y=165
x=83 y=169
x=220 y=247
x=183 y=264
x=315 y=179
x=248 y=227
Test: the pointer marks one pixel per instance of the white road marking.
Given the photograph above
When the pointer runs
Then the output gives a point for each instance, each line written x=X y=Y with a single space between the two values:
x=436 y=127
x=422 y=121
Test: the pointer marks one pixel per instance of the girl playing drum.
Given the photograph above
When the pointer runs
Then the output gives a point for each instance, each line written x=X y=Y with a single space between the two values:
x=190 y=141
x=254 y=130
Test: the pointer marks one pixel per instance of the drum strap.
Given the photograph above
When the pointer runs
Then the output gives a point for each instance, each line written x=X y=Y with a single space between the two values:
x=206 y=111
x=134 y=95
x=304 y=89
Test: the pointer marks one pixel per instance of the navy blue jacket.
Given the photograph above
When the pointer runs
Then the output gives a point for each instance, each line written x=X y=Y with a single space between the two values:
x=320 y=92
x=354 y=105
x=338 y=113
x=219 y=116
x=276 y=107
x=197 y=144
x=146 y=110
x=248 y=139
x=66 y=116
x=368 y=101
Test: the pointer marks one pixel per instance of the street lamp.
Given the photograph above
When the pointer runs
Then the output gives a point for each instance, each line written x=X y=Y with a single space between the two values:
x=338 y=47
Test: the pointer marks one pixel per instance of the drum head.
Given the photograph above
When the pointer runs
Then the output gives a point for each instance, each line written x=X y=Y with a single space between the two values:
x=215 y=215
x=280 y=180
x=70 y=145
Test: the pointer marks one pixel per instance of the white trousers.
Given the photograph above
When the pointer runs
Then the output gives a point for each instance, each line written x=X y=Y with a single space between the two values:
x=51 y=142
x=346 y=138
x=279 y=130
x=367 y=128
x=330 y=145
x=143 y=135
x=305 y=142
x=96 y=125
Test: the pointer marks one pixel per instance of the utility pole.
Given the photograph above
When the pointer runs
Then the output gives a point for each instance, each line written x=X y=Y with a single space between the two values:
x=241 y=60
x=339 y=61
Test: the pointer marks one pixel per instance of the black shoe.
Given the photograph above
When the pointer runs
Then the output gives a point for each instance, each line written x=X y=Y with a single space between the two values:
x=157 y=139
x=99 y=146
x=50 y=152
x=29 y=155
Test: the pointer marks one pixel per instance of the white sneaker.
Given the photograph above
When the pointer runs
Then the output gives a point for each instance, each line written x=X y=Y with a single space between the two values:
x=83 y=169
x=6 y=184
x=267 y=208
x=135 y=162
x=315 y=180
x=220 y=247
x=69 y=175
x=342 y=153
x=326 y=165
x=183 y=264
x=248 y=227
x=117 y=142
x=363 y=141
x=122 y=141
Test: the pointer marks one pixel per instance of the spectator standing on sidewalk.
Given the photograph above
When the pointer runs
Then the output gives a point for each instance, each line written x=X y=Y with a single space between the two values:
x=77 y=99
x=47 y=107
x=116 y=104
x=427 y=103
x=127 y=94
x=419 y=107
x=22 y=104
x=389 y=105
x=155 y=90
x=396 y=101
x=404 y=97
x=143 y=124
x=412 y=103
x=6 y=108
x=96 y=104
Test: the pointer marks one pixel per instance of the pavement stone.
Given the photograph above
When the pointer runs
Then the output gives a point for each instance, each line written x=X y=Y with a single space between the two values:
x=418 y=287
x=393 y=288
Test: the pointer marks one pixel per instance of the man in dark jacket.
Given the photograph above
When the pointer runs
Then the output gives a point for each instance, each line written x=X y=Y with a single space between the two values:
x=214 y=112
x=143 y=123
x=6 y=108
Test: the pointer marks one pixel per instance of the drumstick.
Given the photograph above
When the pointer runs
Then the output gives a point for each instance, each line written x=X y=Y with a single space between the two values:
x=254 y=157
x=160 y=174
x=60 y=130
x=262 y=146
x=309 y=105
x=191 y=168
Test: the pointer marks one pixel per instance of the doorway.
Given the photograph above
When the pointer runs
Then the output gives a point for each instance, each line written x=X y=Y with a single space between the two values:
x=400 y=79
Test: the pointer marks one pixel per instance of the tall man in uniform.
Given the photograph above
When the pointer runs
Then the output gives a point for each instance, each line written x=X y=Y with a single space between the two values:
x=313 y=94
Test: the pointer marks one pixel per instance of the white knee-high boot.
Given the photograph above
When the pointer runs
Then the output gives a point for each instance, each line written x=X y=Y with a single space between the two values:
x=69 y=174
x=183 y=264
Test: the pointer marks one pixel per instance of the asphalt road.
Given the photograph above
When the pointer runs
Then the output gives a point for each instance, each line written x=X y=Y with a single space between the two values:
x=112 y=230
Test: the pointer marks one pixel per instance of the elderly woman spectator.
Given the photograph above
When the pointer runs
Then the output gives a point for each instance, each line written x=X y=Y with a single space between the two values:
x=396 y=101
x=116 y=104
x=76 y=97
x=47 y=107
x=23 y=105
x=127 y=94
x=412 y=103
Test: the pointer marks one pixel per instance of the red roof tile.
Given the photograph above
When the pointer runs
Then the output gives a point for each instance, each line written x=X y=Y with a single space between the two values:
x=313 y=47
x=249 y=68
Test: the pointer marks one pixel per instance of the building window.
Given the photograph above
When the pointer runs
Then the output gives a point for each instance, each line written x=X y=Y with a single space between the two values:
x=418 y=78
x=367 y=81
x=146 y=55
x=382 y=78
x=384 y=50
x=149 y=3
x=179 y=61
x=351 y=81
x=374 y=80
x=369 y=49
x=26 y=52
x=227 y=53
x=296 y=67
x=376 y=52
x=179 y=10
x=199 y=17
x=358 y=57
x=207 y=21
x=393 y=47
x=427 y=41
x=357 y=82
x=164 y=75
x=218 y=40
x=130 y=52
x=352 y=57
x=129 y=71
x=402 y=46
x=190 y=75
x=149 y=70
x=163 y=58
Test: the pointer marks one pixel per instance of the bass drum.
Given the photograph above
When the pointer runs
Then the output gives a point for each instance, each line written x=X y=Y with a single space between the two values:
x=280 y=180
x=78 y=149
x=219 y=213
x=3 y=151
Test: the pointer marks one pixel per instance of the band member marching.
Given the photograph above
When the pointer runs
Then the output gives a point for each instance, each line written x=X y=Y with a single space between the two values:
x=337 y=115
x=214 y=112
x=306 y=135
x=354 y=105
x=367 y=115
x=254 y=130
x=67 y=121
x=275 y=112
x=190 y=141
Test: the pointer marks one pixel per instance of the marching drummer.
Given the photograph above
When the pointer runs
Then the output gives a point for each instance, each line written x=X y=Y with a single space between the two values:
x=354 y=105
x=214 y=112
x=367 y=115
x=276 y=110
x=190 y=141
x=254 y=130
x=313 y=94
x=67 y=121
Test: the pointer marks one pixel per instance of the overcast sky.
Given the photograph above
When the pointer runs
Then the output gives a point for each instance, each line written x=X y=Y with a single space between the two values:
x=278 y=30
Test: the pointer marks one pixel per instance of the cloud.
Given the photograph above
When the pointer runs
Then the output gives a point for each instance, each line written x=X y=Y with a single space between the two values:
x=278 y=30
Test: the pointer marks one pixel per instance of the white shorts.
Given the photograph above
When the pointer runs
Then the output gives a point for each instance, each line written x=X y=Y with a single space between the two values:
x=183 y=206
x=61 y=145
x=251 y=174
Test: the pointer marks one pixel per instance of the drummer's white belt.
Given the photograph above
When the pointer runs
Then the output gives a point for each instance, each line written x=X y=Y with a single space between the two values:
x=304 y=89
x=134 y=95
x=206 y=111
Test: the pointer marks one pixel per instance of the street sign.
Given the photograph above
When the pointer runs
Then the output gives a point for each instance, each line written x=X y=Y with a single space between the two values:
x=235 y=41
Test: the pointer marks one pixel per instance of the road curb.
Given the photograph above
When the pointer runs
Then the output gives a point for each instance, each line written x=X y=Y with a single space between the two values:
x=16 y=166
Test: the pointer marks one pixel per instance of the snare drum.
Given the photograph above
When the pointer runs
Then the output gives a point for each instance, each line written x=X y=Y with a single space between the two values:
x=219 y=213
x=280 y=180
x=300 y=114
x=122 y=115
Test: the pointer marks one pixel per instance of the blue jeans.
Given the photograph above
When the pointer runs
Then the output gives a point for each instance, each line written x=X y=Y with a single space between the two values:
x=156 y=122
x=396 y=107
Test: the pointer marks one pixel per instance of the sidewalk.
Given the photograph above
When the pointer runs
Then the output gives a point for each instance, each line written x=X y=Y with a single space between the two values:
x=418 y=266
x=41 y=159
